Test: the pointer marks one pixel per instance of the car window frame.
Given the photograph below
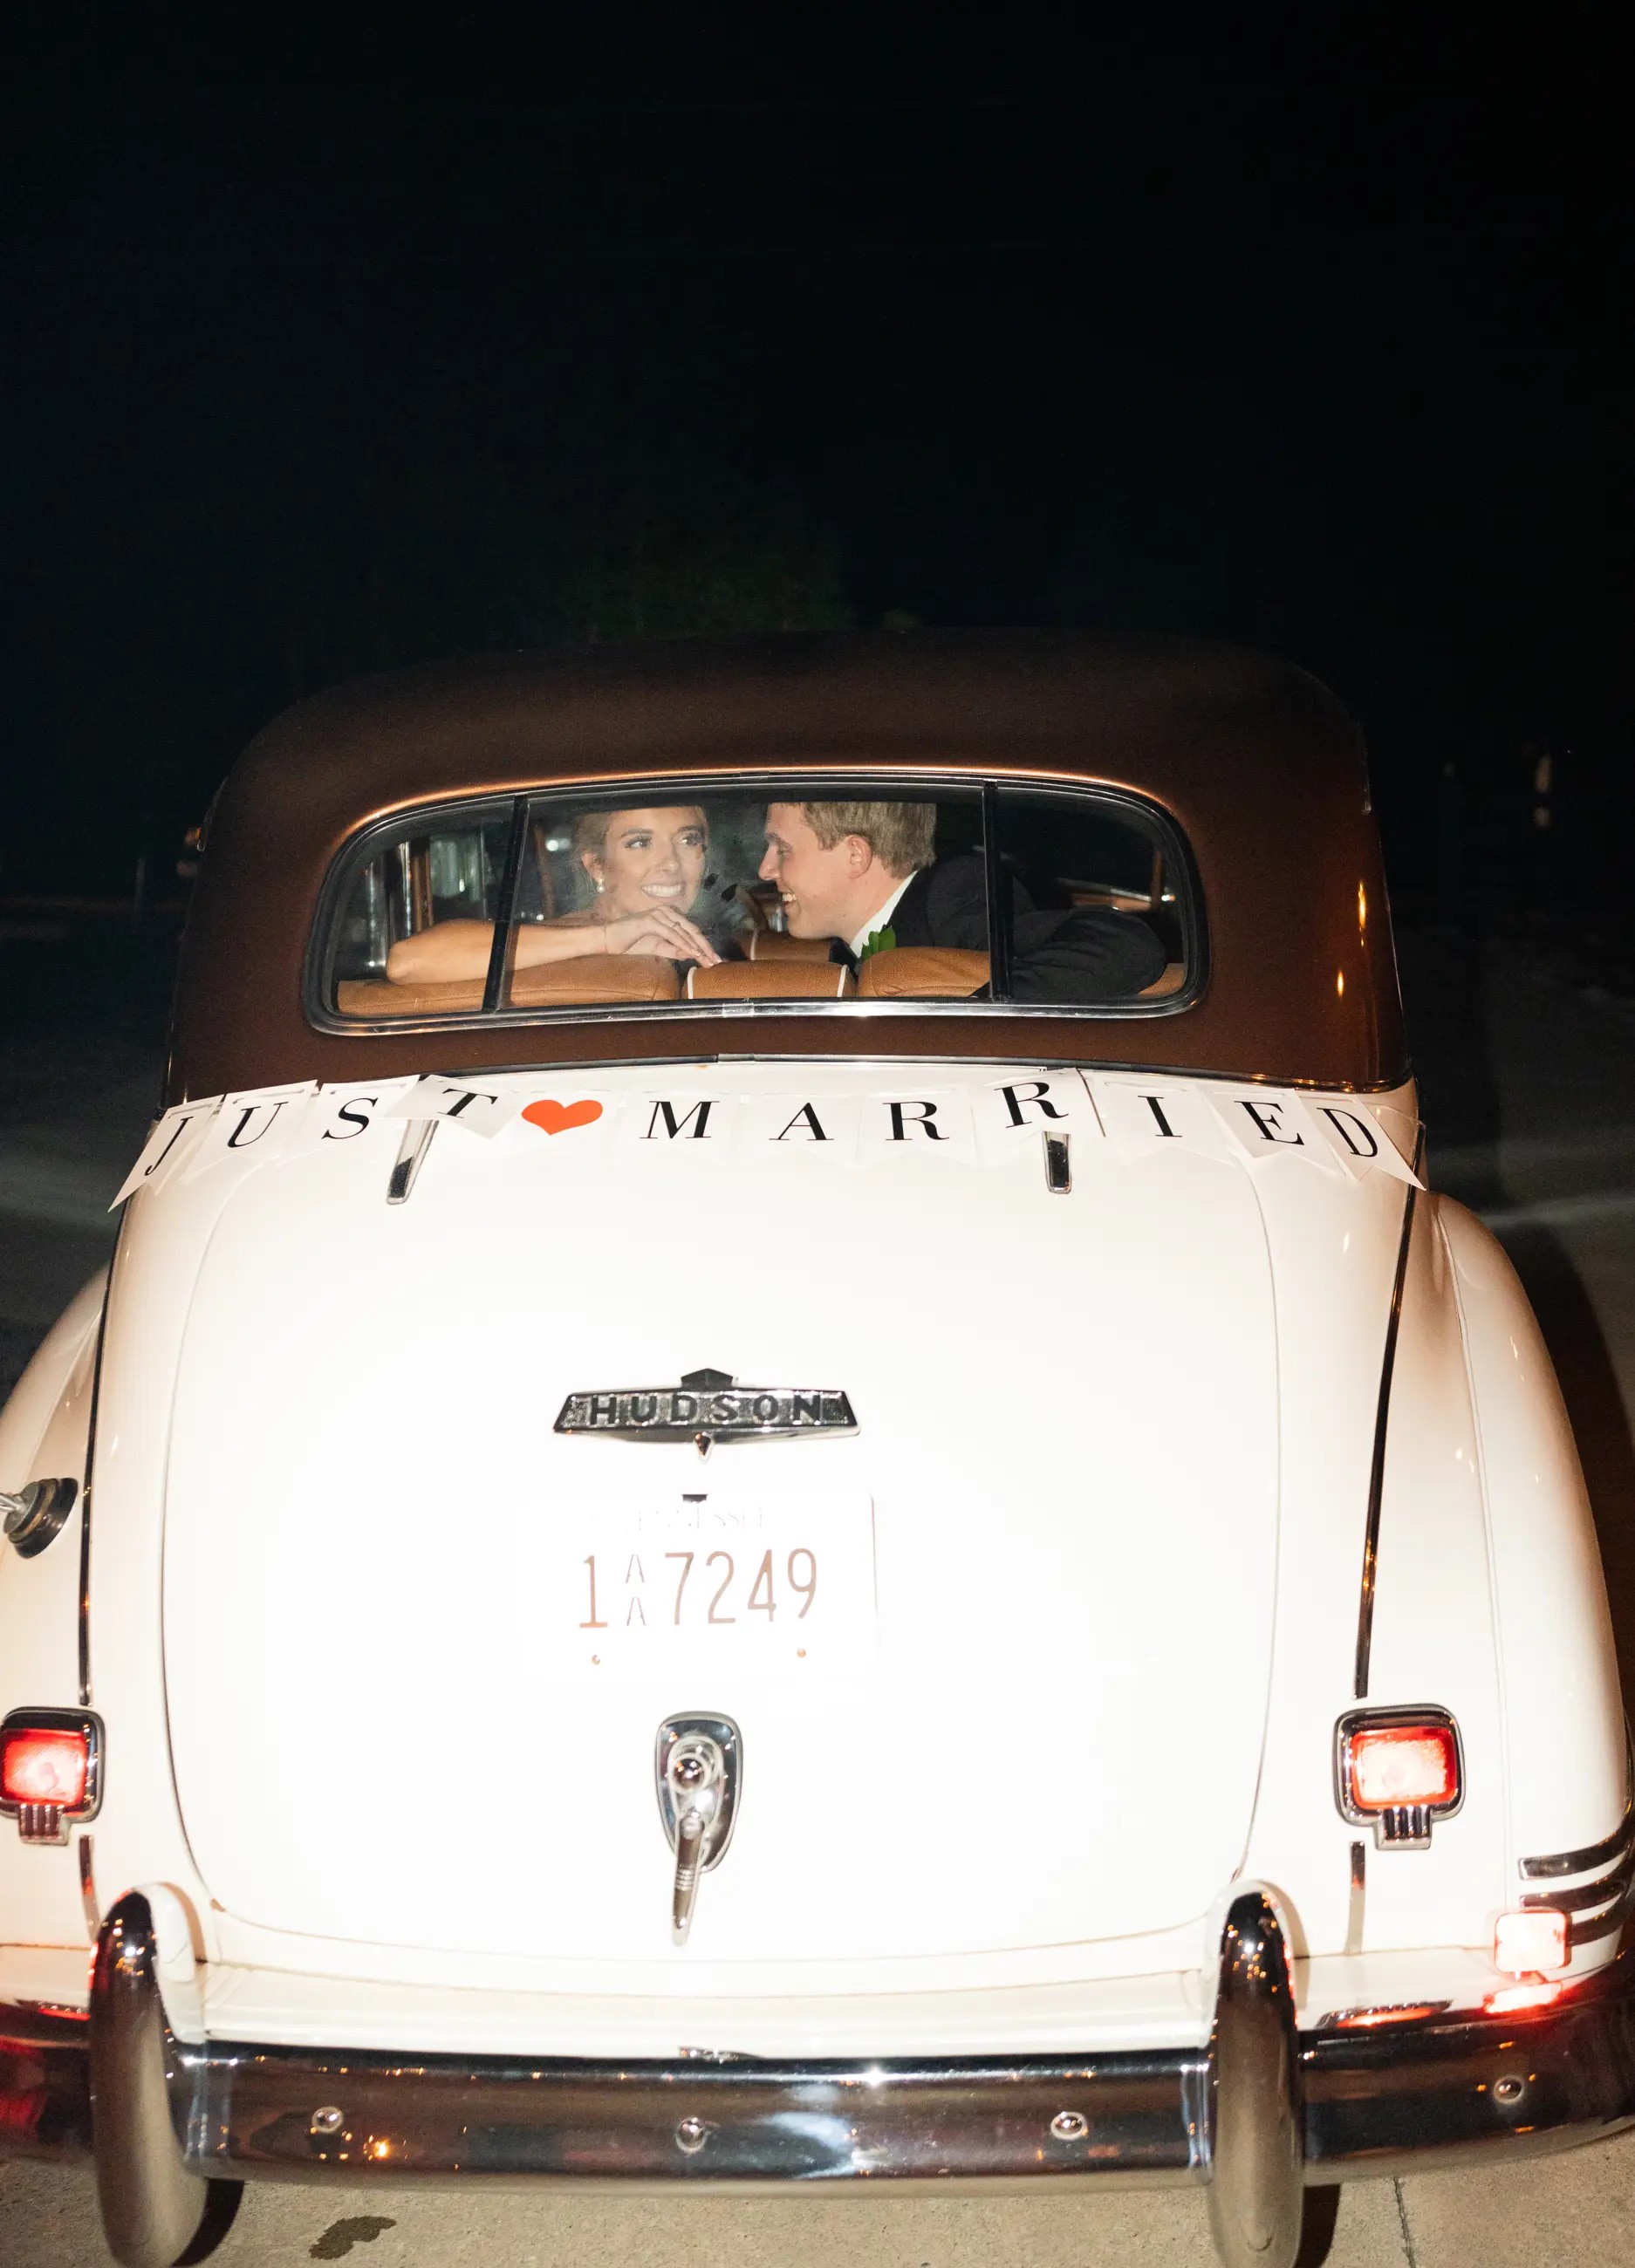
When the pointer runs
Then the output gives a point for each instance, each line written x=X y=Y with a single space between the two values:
x=511 y=806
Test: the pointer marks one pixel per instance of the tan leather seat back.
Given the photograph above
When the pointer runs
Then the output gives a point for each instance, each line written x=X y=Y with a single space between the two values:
x=595 y=980
x=372 y=997
x=772 y=980
x=774 y=945
x=1161 y=987
x=922 y=972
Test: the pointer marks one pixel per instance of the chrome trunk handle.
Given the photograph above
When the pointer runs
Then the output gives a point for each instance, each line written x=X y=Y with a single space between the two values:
x=699 y=1769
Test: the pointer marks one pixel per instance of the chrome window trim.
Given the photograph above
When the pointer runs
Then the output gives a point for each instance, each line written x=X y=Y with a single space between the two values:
x=317 y=983
x=720 y=1011
x=729 y=1060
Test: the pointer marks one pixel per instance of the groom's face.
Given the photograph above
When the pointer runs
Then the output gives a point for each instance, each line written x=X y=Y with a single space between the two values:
x=818 y=886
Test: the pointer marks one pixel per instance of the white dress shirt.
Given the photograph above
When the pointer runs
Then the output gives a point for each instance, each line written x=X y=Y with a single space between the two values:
x=881 y=920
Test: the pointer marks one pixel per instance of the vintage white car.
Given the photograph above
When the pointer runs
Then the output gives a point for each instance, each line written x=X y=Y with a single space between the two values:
x=786 y=1477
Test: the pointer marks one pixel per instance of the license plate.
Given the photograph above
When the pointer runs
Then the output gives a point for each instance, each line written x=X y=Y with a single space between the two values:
x=783 y=1582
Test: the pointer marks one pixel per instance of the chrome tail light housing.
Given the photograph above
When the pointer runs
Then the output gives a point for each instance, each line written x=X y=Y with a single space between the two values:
x=50 y=1771
x=1398 y=1770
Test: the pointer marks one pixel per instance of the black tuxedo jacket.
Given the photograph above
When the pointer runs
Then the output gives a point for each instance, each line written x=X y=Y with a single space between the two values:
x=1088 y=954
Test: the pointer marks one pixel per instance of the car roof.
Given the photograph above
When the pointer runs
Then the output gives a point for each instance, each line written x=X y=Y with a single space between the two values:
x=1258 y=763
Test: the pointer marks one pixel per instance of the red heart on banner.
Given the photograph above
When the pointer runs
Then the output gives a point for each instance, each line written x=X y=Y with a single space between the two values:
x=557 y=1117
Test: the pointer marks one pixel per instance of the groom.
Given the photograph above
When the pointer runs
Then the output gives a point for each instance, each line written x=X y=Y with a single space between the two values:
x=867 y=874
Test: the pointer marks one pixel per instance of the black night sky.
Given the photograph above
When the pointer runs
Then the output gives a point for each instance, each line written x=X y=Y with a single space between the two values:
x=330 y=349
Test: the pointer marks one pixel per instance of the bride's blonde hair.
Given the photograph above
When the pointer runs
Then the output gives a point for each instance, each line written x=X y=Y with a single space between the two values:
x=590 y=829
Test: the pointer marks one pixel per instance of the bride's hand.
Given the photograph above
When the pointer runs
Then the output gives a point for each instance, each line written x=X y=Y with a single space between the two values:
x=663 y=931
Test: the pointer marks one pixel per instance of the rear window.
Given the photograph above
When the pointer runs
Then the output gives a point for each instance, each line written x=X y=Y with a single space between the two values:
x=667 y=897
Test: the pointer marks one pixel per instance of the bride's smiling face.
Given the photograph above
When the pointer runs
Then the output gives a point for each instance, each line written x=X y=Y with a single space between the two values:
x=649 y=858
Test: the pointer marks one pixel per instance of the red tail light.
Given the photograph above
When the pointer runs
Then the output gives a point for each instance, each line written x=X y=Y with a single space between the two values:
x=1398 y=1770
x=44 y=1768
x=1404 y=1764
x=50 y=1771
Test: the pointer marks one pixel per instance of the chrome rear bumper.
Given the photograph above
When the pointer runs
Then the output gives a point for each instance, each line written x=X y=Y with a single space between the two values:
x=1258 y=2112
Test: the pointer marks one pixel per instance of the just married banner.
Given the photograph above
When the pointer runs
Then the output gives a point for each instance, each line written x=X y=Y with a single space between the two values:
x=980 y=1122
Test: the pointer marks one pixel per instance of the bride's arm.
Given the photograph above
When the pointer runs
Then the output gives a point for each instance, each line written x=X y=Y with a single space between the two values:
x=450 y=950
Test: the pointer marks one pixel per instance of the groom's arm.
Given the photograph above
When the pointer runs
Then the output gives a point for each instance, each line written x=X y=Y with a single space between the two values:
x=1090 y=955
x=1084 y=956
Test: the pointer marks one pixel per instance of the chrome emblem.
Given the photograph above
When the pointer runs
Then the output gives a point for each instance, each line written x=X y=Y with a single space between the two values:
x=708 y=1406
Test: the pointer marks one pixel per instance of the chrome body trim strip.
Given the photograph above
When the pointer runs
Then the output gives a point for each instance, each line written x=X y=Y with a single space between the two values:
x=1592 y=1929
x=1594 y=1909
x=411 y=1152
x=91 y=1452
x=1382 y=1424
x=1557 y=1863
x=1580 y=1862
x=89 y=1906
x=1583 y=1896
x=1357 y=1901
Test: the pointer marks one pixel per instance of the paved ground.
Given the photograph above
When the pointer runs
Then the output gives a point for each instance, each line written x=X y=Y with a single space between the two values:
x=1530 y=1095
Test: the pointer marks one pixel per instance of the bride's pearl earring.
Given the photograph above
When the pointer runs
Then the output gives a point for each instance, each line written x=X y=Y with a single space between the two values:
x=600 y=886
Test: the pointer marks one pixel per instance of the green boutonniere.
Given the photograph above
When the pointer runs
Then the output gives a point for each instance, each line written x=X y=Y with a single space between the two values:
x=879 y=941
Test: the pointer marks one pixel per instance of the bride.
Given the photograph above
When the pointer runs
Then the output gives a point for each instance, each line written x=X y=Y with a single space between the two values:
x=646 y=868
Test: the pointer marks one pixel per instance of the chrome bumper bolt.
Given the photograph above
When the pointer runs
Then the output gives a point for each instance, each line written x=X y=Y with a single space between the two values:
x=326 y=2120
x=691 y=2134
x=1070 y=2126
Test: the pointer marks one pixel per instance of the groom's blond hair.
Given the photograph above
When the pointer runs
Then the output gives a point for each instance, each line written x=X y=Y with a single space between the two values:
x=902 y=835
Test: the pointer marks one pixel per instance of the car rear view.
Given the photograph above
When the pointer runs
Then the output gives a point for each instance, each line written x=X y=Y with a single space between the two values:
x=788 y=1476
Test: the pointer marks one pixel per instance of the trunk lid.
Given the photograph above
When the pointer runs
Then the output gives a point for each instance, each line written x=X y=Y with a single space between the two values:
x=1034 y=1714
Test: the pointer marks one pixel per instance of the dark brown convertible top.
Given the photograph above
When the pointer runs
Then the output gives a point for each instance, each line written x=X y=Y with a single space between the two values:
x=1258 y=764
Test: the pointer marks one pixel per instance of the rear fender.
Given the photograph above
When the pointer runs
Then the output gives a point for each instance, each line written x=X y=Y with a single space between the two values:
x=1563 y=1713
x=45 y=1434
x=1429 y=1635
x=45 y=1426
